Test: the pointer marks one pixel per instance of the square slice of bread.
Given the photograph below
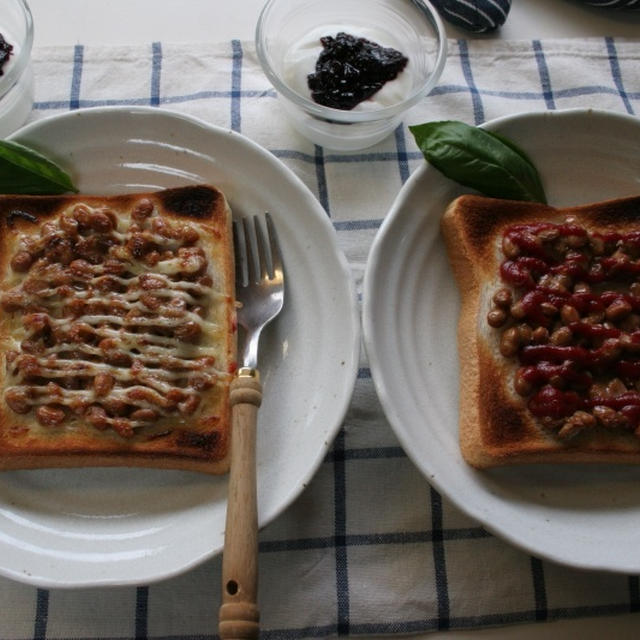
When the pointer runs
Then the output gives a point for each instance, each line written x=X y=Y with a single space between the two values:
x=550 y=367
x=117 y=330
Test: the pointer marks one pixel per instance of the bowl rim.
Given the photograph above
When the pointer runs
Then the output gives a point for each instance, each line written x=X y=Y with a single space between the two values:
x=21 y=61
x=349 y=116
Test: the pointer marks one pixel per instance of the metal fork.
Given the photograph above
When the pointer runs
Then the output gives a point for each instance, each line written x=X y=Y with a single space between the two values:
x=260 y=294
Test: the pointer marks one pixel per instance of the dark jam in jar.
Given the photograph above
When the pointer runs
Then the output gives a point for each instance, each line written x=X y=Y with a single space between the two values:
x=569 y=314
x=350 y=70
x=5 y=51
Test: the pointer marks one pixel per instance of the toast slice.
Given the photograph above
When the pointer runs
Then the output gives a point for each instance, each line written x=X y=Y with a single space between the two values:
x=549 y=330
x=117 y=330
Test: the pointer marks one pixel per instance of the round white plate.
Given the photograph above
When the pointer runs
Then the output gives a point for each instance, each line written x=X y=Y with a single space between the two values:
x=89 y=527
x=584 y=516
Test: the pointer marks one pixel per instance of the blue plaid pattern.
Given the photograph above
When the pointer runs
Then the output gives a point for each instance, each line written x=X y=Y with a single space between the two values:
x=369 y=547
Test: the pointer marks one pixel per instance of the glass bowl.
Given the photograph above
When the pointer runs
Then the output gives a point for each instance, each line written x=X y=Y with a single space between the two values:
x=16 y=81
x=288 y=44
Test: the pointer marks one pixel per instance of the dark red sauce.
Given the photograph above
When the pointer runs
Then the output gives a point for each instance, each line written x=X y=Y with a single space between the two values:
x=594 y=355
x=350 y=70
x=556 y=403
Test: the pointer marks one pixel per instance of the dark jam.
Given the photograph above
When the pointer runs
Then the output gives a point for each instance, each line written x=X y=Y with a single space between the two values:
x=570 y=315
x=5 y=52
x=350 y=70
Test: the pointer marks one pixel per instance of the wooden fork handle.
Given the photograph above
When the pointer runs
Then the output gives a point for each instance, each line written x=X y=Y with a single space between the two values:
x=239 y=615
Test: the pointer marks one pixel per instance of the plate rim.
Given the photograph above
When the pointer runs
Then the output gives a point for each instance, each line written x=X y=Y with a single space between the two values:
x=351 y=358
x=376 y=366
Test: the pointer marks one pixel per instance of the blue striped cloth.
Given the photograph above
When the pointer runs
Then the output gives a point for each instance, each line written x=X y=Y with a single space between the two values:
x=478 y=16
x=481 y=16
x=615 y=4
x=333 y=563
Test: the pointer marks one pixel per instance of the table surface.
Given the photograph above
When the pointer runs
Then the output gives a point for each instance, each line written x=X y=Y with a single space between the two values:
x=205 y=20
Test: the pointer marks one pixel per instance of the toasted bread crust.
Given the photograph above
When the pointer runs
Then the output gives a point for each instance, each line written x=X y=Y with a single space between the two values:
x=496 y=427
x=189 y=438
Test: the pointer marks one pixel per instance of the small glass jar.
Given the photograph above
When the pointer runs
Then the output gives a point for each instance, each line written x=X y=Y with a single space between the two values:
x=285 y=30
x=16 y=81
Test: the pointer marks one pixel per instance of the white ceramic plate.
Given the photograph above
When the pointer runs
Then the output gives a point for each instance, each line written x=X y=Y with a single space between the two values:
x=582 y=516
x=123 y=526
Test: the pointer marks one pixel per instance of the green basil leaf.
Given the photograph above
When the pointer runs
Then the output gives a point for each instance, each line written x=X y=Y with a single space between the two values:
x=479 y=159
x=23 y=170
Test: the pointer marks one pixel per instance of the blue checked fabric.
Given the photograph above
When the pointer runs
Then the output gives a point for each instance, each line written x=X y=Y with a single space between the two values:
x=369 y=547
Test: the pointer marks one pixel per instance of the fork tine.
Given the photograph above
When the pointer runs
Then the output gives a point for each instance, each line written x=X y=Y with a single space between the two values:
x=274 y=246
x=263 y=250
x=240 y=249
x=253 y=258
